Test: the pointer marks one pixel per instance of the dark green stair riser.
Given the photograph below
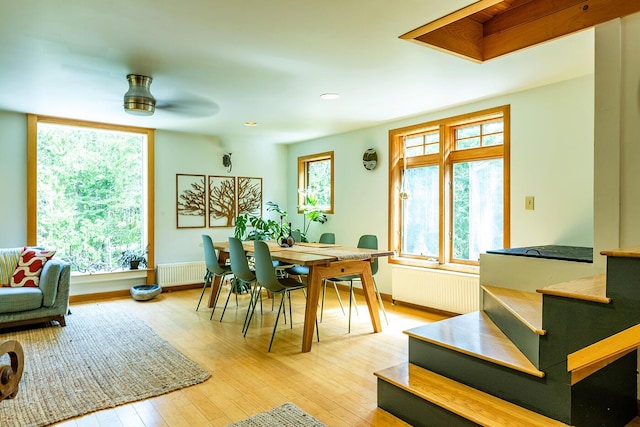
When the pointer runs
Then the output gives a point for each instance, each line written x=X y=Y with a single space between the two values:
x=550 y=396
x=415 y=410
x=574 y=324
x=623 y=278
x=608 y=397
x=524 y=338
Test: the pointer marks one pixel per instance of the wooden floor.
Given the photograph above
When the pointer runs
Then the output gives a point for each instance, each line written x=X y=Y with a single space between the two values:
x=334 y=382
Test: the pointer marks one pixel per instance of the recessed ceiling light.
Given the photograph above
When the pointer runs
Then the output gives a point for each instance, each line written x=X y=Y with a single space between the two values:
x=251 y=123
x=330 y=96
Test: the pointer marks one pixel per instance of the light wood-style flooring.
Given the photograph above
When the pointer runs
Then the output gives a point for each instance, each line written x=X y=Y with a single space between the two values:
x=334 y=382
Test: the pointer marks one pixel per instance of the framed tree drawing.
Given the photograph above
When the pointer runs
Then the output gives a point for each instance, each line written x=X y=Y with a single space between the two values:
x=191 y=205
x=222 y=201
x=249 y=196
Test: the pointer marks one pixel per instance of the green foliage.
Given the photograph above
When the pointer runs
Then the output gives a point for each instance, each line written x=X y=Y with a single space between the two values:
x=90 y=194
x=261 y=228
x=311 y=212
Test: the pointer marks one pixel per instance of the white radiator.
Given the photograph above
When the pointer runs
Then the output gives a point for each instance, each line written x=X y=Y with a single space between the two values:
x=182 y=273
x=442 y=290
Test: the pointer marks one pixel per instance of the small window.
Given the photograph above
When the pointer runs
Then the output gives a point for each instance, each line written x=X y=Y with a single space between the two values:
x=315 y=178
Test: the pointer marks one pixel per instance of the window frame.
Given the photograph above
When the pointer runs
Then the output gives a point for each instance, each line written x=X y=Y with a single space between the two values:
x=445 y=159
x=303 y=175
x=32 y=172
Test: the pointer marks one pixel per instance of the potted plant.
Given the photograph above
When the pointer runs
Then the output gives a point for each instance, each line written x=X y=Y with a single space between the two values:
x=132 y=259
x=261 y=228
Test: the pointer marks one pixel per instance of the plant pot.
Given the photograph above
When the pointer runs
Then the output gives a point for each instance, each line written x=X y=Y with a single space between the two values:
x=133 y=265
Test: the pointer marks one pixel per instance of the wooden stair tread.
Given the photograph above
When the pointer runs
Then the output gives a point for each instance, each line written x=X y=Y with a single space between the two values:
x=629 y=252
x=470 y=403
x=476 y=335
x=592 y=288
x=525 y=306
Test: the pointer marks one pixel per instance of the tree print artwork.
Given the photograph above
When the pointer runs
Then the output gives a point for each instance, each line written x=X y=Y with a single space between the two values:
x=190 y=201
x=250 y=196
x=222 y=201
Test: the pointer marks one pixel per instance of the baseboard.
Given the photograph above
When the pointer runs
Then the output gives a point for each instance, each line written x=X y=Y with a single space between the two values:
x=124 y=293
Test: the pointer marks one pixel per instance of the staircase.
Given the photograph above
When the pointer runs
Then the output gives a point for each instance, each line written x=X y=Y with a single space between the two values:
x=564 y=355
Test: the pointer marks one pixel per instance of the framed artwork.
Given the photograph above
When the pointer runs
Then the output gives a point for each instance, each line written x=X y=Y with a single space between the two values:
x=249 y=196
x=222 y=201
x=191 y=205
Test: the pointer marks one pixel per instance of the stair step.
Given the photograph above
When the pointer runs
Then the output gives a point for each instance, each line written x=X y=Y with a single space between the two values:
x=467 y=402
x=476 y=335
x=592 y=288
x=525 y=306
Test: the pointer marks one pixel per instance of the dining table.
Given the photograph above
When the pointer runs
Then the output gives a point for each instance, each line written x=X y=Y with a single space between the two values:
x=324 y=261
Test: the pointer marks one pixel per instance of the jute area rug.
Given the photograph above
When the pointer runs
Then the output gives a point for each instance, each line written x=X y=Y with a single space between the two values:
x=104 y=357
x=284 y=415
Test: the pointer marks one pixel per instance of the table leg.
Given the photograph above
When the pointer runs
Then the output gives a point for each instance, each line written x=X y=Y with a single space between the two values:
x=336 y=269
x=314 y=284
x=368 y=287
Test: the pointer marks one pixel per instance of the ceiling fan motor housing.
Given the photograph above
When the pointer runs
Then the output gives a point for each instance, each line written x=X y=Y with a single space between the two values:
x=138 y=99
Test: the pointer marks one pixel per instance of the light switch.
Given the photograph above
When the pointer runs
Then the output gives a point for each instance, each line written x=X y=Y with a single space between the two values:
x=528 y=203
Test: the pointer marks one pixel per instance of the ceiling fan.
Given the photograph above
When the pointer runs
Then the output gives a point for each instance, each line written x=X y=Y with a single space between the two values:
x=138 y=100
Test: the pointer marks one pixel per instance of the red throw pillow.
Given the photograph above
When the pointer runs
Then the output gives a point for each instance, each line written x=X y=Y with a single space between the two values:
x=27 y=273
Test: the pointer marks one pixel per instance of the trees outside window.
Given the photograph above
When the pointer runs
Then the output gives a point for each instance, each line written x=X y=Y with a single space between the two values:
x=449 y=189
x=91 y=192
x=315 y=179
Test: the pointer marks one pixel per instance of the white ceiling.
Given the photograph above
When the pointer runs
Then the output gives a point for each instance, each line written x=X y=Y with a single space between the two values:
x=219 y=63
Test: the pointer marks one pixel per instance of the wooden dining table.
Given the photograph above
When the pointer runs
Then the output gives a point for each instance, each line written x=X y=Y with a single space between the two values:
x=324 y=261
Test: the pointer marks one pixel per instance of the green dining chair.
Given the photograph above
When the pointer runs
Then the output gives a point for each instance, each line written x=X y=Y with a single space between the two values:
x=242 y=274
x=266 y=278
x=303 y=270
x=213 y=269
x=367 y=241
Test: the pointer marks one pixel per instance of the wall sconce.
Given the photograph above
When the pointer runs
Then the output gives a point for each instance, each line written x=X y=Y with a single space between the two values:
x=226 y=162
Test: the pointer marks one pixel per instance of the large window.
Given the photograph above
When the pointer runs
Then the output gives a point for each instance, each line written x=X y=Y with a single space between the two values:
x=90 y=191
x=315 y=181
x=449 y=189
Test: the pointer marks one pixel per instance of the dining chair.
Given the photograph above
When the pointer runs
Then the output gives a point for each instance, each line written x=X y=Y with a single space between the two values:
x=366 y=241
x=266 y=278
x=213 y=269
x=242 y=274
x=303 y=270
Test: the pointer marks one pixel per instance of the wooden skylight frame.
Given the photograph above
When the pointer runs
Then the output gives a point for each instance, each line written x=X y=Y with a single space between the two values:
x=488 y=29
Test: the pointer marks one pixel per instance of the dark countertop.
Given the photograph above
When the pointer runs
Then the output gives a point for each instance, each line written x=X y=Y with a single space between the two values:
x=559 y=252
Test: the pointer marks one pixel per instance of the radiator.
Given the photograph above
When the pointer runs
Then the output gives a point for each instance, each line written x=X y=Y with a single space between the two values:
x=182 y=273
x=442 y=290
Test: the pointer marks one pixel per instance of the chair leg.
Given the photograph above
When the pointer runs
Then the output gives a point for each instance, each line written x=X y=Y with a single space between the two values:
x=275 y=326
x=350 y=302
x=384 y=312
x=335 y=286
x=207 y=281
x=233 y=283
x=324 y=290
x=253 y=301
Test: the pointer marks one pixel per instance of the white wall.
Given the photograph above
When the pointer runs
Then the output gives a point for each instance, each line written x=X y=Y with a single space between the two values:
x=551 y=159
x=13 y=179
x=183 y=153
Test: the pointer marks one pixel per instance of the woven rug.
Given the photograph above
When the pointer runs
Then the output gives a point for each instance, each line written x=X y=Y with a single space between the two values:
x=104 y=357
x=284 y=415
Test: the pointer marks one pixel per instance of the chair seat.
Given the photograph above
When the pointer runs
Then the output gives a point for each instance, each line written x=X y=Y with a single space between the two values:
x=298 y=270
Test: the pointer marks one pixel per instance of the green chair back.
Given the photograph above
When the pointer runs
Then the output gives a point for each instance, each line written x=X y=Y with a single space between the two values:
x=239 y=263
x=210 y=257
x=370 y=241
x=265 y=273
x=329 y=238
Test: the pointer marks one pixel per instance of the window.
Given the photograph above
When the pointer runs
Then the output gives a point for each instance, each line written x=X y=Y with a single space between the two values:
x=315 y=181
x=90 y=191
x=449 y=189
